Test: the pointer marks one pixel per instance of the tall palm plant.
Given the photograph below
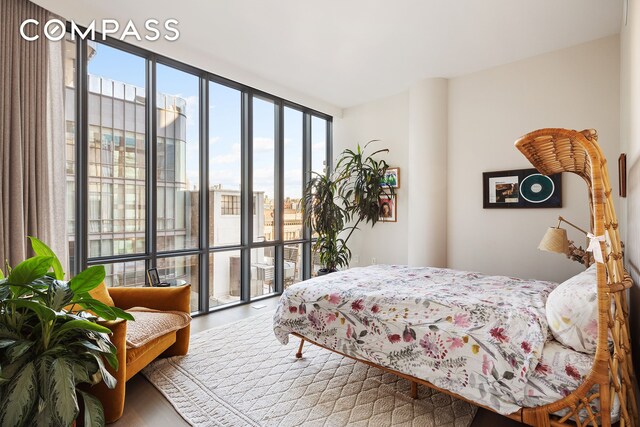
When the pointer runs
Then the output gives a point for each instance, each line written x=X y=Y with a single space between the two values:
x=350 y=194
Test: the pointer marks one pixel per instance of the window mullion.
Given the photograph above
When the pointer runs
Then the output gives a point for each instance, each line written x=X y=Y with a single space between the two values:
x=151 y=177
x=279 y=197
x=203 y=290
x=329 y=145
x=82 y=159
x=246 y=194
x=306 y=167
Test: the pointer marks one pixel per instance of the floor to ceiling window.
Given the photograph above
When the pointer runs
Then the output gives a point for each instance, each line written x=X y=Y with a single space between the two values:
x=177 y=184
x=116 y=176
x=172 y=167
x=265 y=223
x=320 y=149
x=70 y=140
x=293 y=229
x=225 y=141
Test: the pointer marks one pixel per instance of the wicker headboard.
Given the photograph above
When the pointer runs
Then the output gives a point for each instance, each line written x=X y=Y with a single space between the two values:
x=562 y=150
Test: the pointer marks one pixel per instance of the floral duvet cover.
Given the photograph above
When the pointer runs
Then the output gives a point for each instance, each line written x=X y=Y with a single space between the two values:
x=560 y=371
x=476 y=335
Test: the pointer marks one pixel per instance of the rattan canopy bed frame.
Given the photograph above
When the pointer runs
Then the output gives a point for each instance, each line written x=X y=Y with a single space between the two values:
x=611 y=377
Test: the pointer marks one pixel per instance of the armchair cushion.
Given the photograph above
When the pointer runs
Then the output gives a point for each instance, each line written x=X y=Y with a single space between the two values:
x=151 y=324
x=138 y=358
x=102 y=294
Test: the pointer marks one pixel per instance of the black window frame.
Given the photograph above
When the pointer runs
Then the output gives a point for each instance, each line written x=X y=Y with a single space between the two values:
x=81 y=259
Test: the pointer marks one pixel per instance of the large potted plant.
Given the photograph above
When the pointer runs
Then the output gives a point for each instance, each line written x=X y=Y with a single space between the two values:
x=349 y=195
x=50 y=342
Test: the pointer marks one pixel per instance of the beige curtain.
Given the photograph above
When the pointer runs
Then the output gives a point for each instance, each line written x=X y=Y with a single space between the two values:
x=32 y=139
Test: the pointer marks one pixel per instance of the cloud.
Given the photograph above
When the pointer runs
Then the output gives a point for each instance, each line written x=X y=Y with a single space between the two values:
x=263 y=144
x=226 y=178
x=263 y=180
x=225 y=159
x=222 y=174
x=294 y=175
x=296 y=141
x=192 y=152
x=263 y=174
x=233 y=155
x=291 y=159
x=193 y=103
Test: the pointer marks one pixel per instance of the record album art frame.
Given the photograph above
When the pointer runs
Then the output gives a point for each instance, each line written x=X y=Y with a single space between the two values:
x=521 y=188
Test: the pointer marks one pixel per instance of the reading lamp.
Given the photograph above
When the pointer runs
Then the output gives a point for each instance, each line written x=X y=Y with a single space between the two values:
x=555 y=240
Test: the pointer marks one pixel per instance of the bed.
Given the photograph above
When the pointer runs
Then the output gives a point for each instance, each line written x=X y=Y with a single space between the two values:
x=476 y=335
x=483 y=338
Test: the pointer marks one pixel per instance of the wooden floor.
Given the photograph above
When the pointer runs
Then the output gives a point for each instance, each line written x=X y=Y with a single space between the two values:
x=146 y=407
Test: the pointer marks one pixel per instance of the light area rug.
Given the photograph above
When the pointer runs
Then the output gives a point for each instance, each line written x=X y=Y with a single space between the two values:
x=240 y=375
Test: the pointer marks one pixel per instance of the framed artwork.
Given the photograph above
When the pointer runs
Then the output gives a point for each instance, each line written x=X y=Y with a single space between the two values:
x=622 y=175
x=391 y=178
x=153 y=276
x=521 y=188
x=388 y=209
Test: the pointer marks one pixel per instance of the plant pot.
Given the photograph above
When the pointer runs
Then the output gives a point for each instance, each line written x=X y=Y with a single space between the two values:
x=325 y=271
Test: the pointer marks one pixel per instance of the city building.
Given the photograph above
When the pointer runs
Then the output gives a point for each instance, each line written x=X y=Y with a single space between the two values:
x=117 y=198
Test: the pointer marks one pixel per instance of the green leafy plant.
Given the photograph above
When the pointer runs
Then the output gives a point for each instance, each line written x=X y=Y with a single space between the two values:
x=50 y=342
x=350 y=194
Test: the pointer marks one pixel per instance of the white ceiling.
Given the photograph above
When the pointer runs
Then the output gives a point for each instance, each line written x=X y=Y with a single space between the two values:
x=347 y=52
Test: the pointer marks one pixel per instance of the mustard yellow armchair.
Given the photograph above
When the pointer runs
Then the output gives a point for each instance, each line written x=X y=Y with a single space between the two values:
x=175 y=343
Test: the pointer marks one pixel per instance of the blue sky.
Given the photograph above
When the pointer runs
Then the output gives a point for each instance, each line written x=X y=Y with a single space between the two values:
x=224 y=125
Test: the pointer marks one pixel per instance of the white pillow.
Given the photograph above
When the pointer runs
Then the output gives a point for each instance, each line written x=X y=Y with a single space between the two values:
x=572 y=311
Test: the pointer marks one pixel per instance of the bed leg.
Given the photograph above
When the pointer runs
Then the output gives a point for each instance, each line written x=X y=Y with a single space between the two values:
x=299 y=353
x=414 y=390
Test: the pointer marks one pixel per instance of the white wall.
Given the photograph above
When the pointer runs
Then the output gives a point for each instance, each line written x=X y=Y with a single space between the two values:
x=487 y=111
x=387 y=120
x=630 y=143
x=411 y=124
x=427 y=221
x=574 y=88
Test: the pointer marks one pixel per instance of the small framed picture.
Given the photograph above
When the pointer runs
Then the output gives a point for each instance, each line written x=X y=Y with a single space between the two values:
x=388 y=209
x=622 y=175
x=153 y=276
x=391 y=178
